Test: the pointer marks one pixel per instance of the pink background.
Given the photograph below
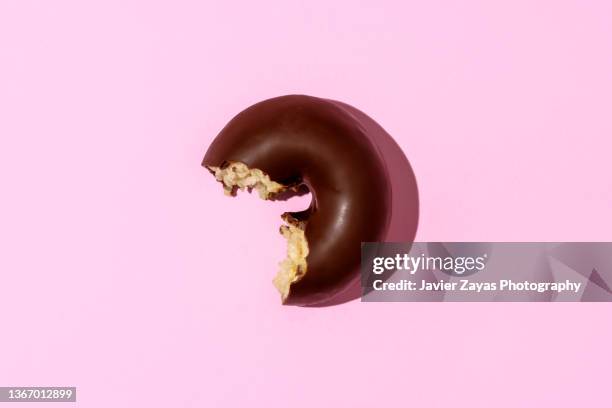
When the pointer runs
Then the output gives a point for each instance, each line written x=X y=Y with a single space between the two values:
x=127 y=273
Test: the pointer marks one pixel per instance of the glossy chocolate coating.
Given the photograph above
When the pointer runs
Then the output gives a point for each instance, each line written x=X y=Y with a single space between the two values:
x=306 y=141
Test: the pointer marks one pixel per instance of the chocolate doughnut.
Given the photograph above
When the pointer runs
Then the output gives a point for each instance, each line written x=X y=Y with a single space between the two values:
x=294 y=144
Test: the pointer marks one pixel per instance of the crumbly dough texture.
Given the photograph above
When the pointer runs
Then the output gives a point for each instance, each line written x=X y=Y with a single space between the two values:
x=239 y=176
x=293 y=268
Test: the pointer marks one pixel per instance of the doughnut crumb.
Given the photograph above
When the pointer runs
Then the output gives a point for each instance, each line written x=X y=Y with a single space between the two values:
x=237 y=175
x=292 y=268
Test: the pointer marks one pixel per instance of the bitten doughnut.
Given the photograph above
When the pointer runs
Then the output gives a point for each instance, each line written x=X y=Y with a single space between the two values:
x=295 y=144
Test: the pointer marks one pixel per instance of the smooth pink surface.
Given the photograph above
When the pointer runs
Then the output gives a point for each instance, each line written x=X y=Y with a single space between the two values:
x=127 y=273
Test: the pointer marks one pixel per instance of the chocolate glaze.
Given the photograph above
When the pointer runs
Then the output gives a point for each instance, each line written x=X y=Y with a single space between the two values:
x=306 y=142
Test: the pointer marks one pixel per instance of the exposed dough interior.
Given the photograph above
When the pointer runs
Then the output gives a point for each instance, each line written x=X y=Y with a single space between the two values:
x=293 y=268
x=239 y=176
